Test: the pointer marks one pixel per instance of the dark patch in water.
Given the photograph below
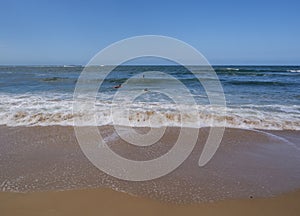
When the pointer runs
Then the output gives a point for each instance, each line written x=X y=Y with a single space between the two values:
x=53 y=79
x=255 y=83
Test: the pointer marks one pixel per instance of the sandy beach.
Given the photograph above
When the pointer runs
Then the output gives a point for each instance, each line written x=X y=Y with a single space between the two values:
x=44 y=172
x=108 y=202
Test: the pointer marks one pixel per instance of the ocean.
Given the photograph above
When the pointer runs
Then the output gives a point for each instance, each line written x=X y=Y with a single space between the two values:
x=258 y=97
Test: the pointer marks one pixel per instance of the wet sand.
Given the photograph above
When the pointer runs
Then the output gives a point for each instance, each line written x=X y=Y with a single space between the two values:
x=108 y=202
x=248 y=174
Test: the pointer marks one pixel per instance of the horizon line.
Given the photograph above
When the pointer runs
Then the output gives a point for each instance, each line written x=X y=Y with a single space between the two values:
x=80 y=65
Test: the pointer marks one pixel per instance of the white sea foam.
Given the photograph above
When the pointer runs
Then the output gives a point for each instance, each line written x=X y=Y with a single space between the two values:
x=232 y=69
x=29 y=110
x=294 y=71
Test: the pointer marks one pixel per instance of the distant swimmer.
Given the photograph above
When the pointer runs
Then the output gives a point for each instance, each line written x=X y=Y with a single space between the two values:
x=146 y=89
x=118 y=86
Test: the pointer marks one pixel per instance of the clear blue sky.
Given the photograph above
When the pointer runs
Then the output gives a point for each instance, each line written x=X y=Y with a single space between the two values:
x=226 y=32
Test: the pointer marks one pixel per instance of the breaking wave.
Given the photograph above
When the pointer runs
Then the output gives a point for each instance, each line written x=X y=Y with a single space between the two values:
x=294 y=71
x=33 y=110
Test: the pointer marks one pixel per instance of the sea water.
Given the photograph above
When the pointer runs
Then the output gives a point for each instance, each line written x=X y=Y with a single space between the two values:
x=261 y=97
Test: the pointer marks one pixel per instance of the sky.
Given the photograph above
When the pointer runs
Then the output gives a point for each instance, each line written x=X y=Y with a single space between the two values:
x=226 y=32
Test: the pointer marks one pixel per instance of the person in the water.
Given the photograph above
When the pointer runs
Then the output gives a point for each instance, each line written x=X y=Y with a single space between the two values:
x=118 y=86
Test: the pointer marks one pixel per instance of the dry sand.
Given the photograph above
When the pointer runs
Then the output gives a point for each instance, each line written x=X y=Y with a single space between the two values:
x=108 y=202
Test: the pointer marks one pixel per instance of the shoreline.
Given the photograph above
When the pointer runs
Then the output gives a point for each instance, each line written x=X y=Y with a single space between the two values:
x=252 y=173
x=247 y=163
x=109 y=202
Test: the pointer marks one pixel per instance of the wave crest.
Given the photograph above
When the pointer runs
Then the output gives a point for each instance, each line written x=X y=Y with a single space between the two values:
x=37 y=110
